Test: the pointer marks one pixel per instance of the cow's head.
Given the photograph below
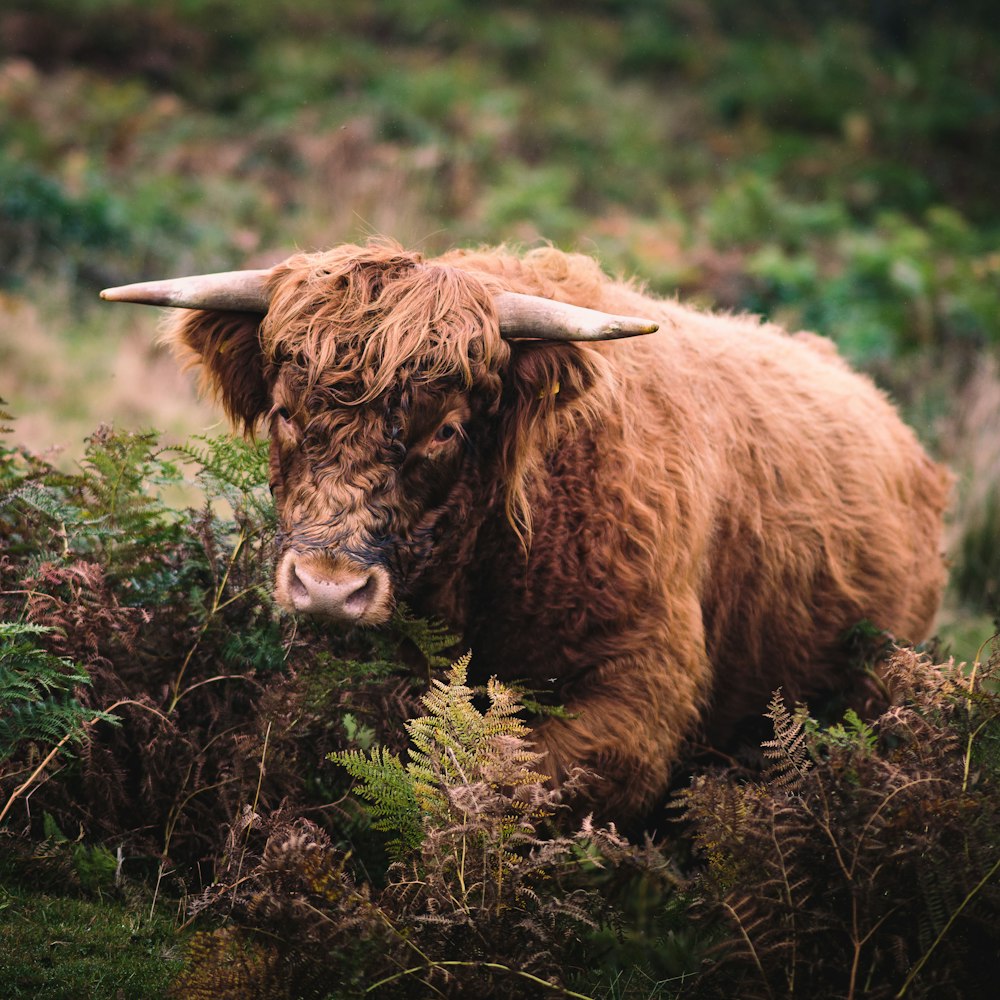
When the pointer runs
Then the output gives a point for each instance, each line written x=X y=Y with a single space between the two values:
x=397 y=393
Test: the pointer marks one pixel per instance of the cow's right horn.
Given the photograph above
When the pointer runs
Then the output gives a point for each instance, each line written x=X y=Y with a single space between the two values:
x=239 y=291
x=532 y=317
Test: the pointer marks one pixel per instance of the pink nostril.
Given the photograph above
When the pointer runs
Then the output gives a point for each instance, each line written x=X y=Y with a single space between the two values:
x=300 y=592
x=361 y=598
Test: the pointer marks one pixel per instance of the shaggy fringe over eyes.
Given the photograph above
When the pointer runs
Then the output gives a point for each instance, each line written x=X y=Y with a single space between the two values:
x=353 y=322
x=354 y=319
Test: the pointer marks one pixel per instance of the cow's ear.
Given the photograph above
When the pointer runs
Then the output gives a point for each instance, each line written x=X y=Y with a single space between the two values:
x=546 y=377
x=226 y=348
x=548 y=388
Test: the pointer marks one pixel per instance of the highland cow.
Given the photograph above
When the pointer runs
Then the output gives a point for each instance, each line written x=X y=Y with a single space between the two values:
x=656 y=528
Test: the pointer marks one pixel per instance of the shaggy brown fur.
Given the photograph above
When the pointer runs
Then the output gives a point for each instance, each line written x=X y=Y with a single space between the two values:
x=659 y=531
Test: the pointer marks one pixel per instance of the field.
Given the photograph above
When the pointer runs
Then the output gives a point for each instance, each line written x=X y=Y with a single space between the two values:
x=831 y=167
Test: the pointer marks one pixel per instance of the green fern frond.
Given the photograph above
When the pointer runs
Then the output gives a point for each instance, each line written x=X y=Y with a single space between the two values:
x=459 y=758
x=46 y=721
x=28 y=672
x=455 y=743
x=234 y=469
x=323 y=680
x=45 y=500
x=110 y=510
x=36 y=702
x=433 y=639
x=852 y=734
x=389 y=786
x=121 y=473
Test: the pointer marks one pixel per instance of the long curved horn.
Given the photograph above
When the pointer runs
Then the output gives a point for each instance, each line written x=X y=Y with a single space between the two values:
x=524 y=317
x=239 y=291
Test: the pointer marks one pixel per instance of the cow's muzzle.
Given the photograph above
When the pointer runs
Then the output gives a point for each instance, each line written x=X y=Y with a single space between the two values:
x=333 y=586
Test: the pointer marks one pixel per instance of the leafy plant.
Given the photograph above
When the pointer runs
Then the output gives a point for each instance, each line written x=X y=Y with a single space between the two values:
x=977 y=575
x=455 y=750
x=477 y=899
x=864 y=861
x=234 y=470
x=36 y=694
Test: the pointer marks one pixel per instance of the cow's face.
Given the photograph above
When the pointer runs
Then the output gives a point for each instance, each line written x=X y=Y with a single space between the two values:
x=395 y=410
x=380 y=382
x=365 y=491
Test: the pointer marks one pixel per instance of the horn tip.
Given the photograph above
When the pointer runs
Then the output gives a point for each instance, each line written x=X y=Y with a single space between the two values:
x=120 y=293
x=631 y=328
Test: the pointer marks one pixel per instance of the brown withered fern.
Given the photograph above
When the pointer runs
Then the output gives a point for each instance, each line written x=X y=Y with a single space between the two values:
x=865 y=862
x=485 y=904
x=291 y=903
x=220 y=701
x=300 y=925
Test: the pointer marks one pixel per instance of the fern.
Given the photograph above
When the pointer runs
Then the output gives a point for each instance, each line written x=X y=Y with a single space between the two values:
x=852 y=734
x=864 y=861
x=455 y=750
x=152 y=602
x=789 y=750
x=474 y=878
x=45 y=500
x=125 y=516
x=36 y=702
x=433 y=640
x=388 y=785
x=110 y=510
x=327 y=676
x=455 y=744
x=235 y=470
x=260 y=649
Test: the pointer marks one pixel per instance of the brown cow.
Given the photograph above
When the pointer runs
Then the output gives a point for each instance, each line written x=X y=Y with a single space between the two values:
x=659 y=531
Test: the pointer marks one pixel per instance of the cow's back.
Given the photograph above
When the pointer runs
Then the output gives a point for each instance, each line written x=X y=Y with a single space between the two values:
x=826 y=509
x=739 y=464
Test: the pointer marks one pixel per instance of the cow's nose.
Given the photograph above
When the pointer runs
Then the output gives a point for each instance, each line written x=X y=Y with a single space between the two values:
x=333 y=587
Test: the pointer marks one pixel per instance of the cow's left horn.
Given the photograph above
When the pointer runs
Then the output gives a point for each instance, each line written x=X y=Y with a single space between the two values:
x=239 y=291
x=531 y=317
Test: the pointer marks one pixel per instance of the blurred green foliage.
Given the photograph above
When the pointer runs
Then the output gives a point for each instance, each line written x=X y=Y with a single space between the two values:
x=841 y=157
x=977 y=570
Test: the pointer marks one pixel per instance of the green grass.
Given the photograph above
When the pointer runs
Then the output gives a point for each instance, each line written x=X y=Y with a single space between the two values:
x=55 y=947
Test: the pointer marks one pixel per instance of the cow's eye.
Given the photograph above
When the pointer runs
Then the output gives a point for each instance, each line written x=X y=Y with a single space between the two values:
x=282 y=413
x=445 y=433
